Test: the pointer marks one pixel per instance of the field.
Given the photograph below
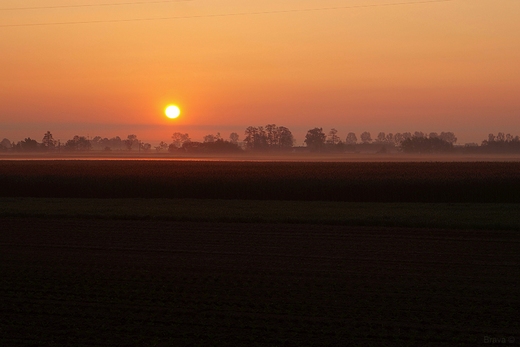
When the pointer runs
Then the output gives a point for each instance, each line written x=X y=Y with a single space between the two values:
x=432 y=182
x=148 y=253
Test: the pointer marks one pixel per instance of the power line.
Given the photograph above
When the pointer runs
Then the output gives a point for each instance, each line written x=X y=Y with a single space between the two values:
x=90 y=5
x=235 y=14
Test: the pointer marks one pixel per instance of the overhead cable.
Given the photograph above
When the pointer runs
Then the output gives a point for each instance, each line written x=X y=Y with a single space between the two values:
x=90 y=5
x=234 y=14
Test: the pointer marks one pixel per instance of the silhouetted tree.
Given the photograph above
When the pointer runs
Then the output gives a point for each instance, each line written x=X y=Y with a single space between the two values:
x=233 y=138
x=172 y=148
x=351 y=139
x=97 y=143
x=285 y=138
x=271 y=135
x=130 y=141
x=381 y=137
x=315 y=139
x=448 y=137
x=256 y=138
x=333 y=137
x=48 y=141
x=212 y=138
x=398 y=139
x=78 y=143
x=250 y=134
x=5 y=145
x=365 y=137
x=501 y=143
x=27 y=145
x=83 y=144
x=425 y=145
x=116 y=142
x=179 y=139
x=162 y=146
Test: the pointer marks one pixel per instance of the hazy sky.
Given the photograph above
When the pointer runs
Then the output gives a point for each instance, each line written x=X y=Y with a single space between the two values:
x=355 y=65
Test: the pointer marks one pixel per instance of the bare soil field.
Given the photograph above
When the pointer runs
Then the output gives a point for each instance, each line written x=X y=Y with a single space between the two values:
x=432 y=182
x=164 y=283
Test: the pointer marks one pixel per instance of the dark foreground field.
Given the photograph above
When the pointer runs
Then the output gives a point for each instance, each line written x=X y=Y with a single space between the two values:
x=166 y=253
x=116 y=282
x=428 y=182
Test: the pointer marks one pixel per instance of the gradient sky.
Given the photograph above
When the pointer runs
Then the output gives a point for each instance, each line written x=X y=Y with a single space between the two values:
x=444 y=66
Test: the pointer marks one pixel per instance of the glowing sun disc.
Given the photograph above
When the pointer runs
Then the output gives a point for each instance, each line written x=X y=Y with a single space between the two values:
x=172 y=111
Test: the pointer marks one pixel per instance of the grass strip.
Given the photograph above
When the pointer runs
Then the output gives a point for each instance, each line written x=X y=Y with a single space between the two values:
x=420 y=215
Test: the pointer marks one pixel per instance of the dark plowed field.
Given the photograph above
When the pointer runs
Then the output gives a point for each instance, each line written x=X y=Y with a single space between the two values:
x=433 y=182
x=104 y=282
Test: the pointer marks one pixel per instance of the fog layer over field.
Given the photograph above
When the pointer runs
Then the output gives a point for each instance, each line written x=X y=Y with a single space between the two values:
x=266 y=157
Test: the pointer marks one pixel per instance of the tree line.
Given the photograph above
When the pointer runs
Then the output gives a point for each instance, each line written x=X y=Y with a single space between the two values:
x=273 y=138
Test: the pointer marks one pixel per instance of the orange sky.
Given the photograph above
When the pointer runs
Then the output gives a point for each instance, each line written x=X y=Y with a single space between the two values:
x=445 y=66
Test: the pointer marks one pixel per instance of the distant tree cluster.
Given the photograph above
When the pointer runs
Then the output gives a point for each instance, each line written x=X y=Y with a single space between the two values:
x=27 y=145
x=106 y=144
x=426 y=145
x=78 y=143
x=211 y=144
x=317 y=140
x=270 y=137
x=5 y=145
x=502 y=143
x=275 y=138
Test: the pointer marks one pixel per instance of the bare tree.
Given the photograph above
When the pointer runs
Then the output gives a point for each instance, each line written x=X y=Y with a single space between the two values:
x=333 y=137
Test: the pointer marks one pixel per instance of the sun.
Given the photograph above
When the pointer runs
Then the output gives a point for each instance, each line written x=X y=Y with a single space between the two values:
x=172 y=111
